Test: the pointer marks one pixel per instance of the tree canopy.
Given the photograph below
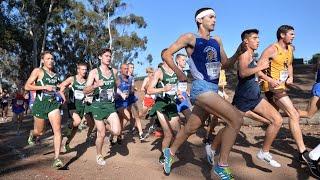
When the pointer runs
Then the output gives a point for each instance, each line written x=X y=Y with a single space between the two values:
x=74 y=30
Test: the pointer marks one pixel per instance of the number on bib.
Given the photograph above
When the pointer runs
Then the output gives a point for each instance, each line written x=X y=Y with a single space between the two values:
x=213 y=70
x=78 y=95
x=283 y=75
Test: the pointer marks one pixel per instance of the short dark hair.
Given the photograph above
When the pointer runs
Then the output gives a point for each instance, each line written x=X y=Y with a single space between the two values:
x=283 y=30
x=160 y=64
x=179 y=55
x=245 y=34
x=130 y=63
x=42 y=54
x=198 y=12
x=81 y=64
x=104 y=50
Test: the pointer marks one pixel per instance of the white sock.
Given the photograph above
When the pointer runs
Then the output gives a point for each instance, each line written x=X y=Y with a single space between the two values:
x=315 y=153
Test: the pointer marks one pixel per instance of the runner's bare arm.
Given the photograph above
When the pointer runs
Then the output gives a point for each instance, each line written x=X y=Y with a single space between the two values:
x=90 y=86
x=66 y=83
x=152 y=86
x=144 y=83
x=269 y=53
x=244 y=60
x=182 y=42
x=289 y=81
x=115 y=72
x=225 y=61
x=37 y=73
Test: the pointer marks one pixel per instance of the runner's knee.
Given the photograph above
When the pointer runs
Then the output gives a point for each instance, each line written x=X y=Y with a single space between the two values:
x=294 y=116
x=116 y=131
x=101 y=134
x=190 y=130
x=236 y=123
x=38 y=132
x=277 y=120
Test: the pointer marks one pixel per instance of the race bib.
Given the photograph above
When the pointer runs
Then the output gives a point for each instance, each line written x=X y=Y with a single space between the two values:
x=283 y=75
x=78 y=95
x=182 y=86
x=213 y=70
x=20 y=102
x=173 y=90
x=106 y=94
x=49 y=93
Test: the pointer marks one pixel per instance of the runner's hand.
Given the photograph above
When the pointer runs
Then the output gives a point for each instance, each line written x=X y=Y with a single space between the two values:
x=275 y=83
x=289 y=81
x=64 y=99
x=50 y=88
x=167 y=88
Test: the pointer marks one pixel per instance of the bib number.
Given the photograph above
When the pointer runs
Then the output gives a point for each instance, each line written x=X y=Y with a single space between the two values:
x=49 y=93
x=213 y=70
x=283 y=75
x=173 y=90
x=106 y=94
x=78 y=95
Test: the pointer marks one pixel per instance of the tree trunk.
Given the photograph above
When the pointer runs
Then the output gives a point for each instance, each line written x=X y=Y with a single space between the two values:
x=46 y=27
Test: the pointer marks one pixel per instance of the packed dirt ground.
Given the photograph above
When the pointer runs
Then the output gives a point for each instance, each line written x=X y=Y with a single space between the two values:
x=135 y=160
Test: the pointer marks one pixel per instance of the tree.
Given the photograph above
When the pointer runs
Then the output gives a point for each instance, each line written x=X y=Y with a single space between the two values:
x=73 y=30
x=314 y=59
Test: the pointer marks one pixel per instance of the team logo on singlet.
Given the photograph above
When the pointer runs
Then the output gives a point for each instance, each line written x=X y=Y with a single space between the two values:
x=211 y=54
x=52 y=80
x=109 y=82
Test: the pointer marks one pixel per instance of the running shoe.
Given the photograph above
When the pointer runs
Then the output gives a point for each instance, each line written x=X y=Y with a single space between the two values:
x=224 y=173
x=100 y=160
x=142 y=136
x=210 y=154
x=313 y=165
x=66 y=147
x=31 y=139
x=168 y=160
x=57 y=163
x=119 y=140
x=266 y=157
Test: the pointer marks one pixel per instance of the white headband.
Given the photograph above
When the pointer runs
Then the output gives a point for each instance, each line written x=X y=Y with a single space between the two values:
x=205 y=13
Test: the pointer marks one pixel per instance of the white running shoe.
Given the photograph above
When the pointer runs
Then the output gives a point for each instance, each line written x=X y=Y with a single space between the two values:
x=266 y=157
x=100 y=160
x=210 y=154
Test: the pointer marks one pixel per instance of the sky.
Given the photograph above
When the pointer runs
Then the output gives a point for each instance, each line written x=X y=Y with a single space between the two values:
x=167 y=20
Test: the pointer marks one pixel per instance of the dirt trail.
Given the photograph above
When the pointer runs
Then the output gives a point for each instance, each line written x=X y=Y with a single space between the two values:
x=135 y=160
